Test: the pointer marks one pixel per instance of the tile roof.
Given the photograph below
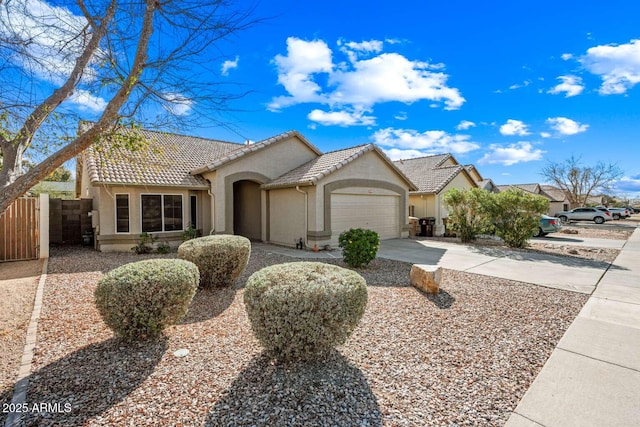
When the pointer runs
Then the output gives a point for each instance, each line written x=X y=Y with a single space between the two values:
x=314 y=170
x=246 y=149
x=530 y=188
x=428 y=174
x=555 y=194
x=166 y=162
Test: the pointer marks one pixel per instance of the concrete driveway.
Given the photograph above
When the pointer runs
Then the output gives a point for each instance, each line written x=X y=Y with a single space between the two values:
x=560 y=272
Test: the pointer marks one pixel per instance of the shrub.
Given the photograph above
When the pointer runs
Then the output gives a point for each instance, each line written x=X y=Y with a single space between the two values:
x=140 y=299
x=145 y=244
x=163 y=248
x=359 y=246
x=190 y=233
x=300 y=310
x=220 y=258
x=517 y=215
x=468 y=212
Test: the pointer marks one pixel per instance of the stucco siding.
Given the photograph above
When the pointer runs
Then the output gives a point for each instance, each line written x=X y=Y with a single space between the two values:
x=264 y=165
x=366 y=175
x=287 y=221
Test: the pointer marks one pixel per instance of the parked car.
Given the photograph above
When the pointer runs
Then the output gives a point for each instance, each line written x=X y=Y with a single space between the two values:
x=620 y=213
x=548 y=224
x=597 y=215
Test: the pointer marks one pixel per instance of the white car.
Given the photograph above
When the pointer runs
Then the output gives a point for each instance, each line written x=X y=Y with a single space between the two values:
x=597 y=215
x=620 y=213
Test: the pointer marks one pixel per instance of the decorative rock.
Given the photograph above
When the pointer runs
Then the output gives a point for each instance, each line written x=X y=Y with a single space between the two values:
x=426 y=277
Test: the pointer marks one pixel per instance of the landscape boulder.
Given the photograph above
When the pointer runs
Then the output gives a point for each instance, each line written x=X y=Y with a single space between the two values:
x=426 y=277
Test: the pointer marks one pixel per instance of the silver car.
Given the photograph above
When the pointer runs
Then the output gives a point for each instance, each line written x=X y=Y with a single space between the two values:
x=597 y=215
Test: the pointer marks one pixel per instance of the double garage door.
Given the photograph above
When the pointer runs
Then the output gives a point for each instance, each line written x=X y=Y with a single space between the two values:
x=374 y=212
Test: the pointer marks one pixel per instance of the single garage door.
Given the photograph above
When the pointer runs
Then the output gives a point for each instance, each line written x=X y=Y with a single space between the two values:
x=374 y=212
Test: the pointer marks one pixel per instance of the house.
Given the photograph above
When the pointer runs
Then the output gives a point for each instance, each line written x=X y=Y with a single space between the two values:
x=558 y=200
x=434 y=176
x=55 y=189
x=279 y=190
x=485 y=184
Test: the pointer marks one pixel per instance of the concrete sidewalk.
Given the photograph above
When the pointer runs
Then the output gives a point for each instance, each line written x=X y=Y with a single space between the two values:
x=592 y=378
x=560 y=272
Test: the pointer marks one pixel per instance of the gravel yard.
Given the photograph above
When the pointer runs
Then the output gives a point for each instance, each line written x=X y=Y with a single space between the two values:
x=464 y=357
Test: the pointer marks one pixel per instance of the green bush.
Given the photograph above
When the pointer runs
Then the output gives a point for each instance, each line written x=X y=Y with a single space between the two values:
x=140 y=299
x=221 y=259
x=468 y=212
x=300 y=310
x=359 y=246
x=516 y=215
x=163 y=248
x=145 y=244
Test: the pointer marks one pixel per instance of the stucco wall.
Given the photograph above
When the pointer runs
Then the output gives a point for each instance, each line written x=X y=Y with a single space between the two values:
x=109 y=240
x=286 y=213
x=372 y=175
x=260 y=166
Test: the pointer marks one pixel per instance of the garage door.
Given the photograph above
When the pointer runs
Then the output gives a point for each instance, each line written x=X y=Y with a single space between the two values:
x=374 y=212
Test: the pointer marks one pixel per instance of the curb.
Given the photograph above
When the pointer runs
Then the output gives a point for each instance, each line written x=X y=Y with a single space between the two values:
x=22 y=380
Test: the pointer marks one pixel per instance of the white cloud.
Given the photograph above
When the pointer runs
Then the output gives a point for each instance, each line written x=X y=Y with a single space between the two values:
x=341 y=118
x=617 y=65
x=87 y=101
x=465 y=124
x=566 y=56
x=629 y=184
x=229 y=65
x=296 y=70
x=514 y=127
x=402 y=115
x=429 y=142
x=545 y=134
x=571 y=86
x=511 y=154
x=309 y=75
x=48 y=33
x=521 y=85
x=565 y=126
x=177 y=103
x=399 y=154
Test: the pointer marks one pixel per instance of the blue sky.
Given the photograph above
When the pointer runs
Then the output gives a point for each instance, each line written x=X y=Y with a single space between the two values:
x=504 y=85
x=507 y=86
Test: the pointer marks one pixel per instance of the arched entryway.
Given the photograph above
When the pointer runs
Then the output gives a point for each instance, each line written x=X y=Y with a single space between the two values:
x=247 y=209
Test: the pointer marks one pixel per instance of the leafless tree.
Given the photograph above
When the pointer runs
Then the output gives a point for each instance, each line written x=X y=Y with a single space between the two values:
x=578 y=181
x=122 y=62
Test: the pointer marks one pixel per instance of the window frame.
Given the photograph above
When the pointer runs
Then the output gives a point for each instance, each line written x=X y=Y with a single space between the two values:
x=115 y=212
x=193 y=213
x=162 y=195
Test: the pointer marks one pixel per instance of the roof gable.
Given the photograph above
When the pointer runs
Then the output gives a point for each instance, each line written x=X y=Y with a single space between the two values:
x=429 y=173
x=314 y=170
x=250 y=148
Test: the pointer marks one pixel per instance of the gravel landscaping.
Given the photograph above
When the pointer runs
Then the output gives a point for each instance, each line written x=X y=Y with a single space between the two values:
x=463 y=357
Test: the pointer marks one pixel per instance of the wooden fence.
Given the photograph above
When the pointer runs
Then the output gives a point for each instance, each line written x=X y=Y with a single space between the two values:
x=19 y=238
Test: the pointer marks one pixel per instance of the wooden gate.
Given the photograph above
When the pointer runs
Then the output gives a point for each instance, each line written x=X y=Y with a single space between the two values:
x=19 y=231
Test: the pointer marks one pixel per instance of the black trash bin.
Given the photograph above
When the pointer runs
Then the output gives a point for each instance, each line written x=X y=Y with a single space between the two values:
x=426 y=226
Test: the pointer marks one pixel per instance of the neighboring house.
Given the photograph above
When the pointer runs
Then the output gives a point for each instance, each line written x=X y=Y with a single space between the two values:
x=434 y=176
x=485 y=184
x=55 y=189
x=558 y=200
x=279 y=190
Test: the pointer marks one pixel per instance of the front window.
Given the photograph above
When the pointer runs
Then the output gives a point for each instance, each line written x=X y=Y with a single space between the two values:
x=122 y=213
x=161 y=212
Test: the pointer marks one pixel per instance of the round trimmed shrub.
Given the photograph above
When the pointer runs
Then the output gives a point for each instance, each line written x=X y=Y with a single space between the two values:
x=140 y=299
x=221 y=258
x=359 y=246
x=300 y=310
